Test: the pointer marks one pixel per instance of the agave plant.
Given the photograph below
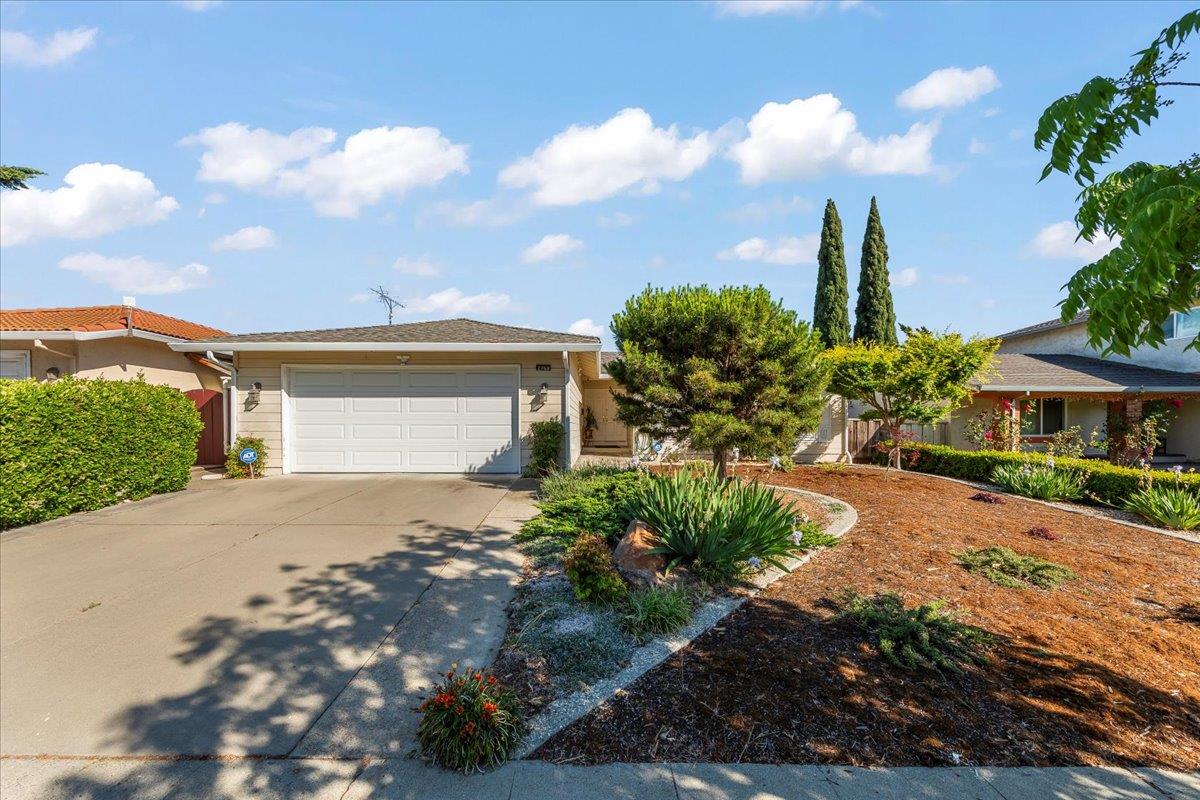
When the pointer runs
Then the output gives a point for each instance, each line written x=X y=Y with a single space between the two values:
x=1175 y=507
x=1044 y=482
x=721 y=527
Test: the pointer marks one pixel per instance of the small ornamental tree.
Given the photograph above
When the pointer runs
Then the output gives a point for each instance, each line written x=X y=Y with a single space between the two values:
x=831 y=317
x=922 y=380
x=874 y=315
x=724 y=368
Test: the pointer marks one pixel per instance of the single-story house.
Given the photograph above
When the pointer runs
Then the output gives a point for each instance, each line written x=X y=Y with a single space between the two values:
x=118 y=342
x=453 y=395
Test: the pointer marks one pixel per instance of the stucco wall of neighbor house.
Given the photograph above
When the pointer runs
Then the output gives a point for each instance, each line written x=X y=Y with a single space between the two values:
x=1183 y=437
x=825 y=444
x=574 y=401
x=1072 y=340
x=265 y=419
x=119 y=358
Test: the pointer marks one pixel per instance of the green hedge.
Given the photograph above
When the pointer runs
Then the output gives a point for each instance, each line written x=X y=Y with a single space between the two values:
x=76 y=445
x=1106 y=483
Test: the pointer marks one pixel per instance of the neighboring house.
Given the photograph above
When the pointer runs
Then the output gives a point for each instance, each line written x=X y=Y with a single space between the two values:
x=117 y=342
x=452 y=395
x=1054 y=380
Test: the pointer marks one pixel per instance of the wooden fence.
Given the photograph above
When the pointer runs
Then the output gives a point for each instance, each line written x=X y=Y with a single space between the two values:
x=864 y=434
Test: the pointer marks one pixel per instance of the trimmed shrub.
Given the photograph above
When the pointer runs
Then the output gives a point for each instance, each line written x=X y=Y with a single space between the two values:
x=1039 y=481
x=923 y=637
x=722 y=528
x=470 y=722
x=234 y=468
x=1167 y=505
x=545 y=445
x=589 y=499
x=1003 y=567
x=1103 y=482
x=657 y=610
x=590 y=568
x=77 y=445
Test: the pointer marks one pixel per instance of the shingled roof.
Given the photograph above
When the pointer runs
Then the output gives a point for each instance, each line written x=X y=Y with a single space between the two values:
x=90 y=319
x=1048 y=325
x=444 y=331
x=1067 y=373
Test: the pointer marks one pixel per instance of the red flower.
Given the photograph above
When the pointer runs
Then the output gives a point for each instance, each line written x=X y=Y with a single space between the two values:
x=1176 y=403
x=491 y=680
x=489 y=710
x=1006 y=405
x=467 y=730
x=987 y=435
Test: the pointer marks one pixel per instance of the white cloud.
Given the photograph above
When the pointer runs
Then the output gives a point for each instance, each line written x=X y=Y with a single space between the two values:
x=586 y=163
x=759 y=8
x=418 y=267
x=784 y=250
x=255 y=237
x=977 y=147
x=806 y=138
x=775 y=207
x=24 y=50
x=95 y=199
x=991 y=112
x=951 y=87
x=452 y=302
x=135 y=274
x=904 y=278
x=618 y=219
x=552 y=246
x=197 y=5
x=373 y=164
x=1016 y=134
x=492 y=213
x=987 y=302
x=1057 y=241
x=951 y=280
x=585 y=327
x=214 y=198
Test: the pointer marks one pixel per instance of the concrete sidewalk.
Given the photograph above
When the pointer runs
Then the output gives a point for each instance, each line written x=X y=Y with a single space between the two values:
x=405 y=779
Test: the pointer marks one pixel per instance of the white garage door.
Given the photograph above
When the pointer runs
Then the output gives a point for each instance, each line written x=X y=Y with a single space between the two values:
x=414 y=419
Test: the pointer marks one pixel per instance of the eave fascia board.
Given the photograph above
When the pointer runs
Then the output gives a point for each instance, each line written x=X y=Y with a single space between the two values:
x=386 y=347
x=87 y=336
x=1021 y=389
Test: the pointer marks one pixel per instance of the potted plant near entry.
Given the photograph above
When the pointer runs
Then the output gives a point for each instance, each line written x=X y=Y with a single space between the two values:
x=589 y=425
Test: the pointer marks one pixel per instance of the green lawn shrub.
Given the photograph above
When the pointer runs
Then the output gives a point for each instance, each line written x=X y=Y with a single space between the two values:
x=590 y=499
x=1167 y=504
x=1103 y=482
x=590 y=568
x=545 y=447
x=234 y=468
x=1010 y=569
x=657 y=610
x=469 y=722
x=81 y=444
x=926 y=637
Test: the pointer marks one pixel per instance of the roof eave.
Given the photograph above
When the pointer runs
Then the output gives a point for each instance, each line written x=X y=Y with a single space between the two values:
x=389 y=347
x=1114 y=389
x=85 y=336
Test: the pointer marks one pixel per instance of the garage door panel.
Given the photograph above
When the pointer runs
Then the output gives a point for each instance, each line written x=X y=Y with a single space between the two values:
x=404 y=420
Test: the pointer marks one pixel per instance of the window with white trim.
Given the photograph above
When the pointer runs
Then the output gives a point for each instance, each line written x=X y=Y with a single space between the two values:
x=1043 y=417
x=1182 y=324
x=14 y=364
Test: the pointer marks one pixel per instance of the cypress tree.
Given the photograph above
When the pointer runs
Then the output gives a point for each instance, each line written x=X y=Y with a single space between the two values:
x=874 y=316
x=831 y=316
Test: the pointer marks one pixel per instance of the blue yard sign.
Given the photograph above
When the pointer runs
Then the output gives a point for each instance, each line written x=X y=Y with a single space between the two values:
x=248 y=455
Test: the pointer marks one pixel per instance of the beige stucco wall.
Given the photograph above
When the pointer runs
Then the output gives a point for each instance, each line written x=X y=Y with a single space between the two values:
x=118 y=358
x=265 y=419
x=826 y=443
x=574 y=406
x=1072 y=340
x=1183 y=437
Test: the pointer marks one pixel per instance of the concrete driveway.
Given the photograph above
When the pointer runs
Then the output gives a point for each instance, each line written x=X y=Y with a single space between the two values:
x=283 y=617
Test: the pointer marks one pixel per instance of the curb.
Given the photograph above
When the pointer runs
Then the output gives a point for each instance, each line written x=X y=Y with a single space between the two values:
x=566 y=710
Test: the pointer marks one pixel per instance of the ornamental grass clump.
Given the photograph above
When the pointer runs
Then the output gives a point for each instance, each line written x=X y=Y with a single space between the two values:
x=593 y=574
x=1172 y=506
x=721 y=528
x=1040 y=481
x=658 y=610
x=924 y=637
x=1009 y=569
x=471 y=722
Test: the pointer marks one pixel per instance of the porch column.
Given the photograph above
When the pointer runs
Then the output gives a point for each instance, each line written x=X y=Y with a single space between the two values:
x=1123 y=415
x=1016 y=417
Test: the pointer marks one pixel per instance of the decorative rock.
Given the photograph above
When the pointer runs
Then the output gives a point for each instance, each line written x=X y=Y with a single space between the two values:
x=634 y=560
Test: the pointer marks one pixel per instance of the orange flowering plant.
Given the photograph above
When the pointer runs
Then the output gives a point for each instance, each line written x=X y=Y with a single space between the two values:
x=470 y=722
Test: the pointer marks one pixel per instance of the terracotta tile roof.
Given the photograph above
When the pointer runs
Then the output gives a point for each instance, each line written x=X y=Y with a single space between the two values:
x=450 y=331
x=1062 y=371
x=102 y=318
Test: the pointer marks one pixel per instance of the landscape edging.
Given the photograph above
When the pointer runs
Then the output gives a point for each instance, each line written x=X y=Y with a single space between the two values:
x=566 y=710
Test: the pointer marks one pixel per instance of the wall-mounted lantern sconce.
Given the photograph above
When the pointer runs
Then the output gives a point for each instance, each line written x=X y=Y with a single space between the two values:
x=52 y=374
x=545 y=387
x=403 y=359
x=253 y=394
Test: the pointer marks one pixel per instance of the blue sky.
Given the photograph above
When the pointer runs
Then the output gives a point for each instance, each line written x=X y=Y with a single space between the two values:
x=262 y=165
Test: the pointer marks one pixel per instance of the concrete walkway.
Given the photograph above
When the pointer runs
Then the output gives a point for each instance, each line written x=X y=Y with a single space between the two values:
x=406 y=779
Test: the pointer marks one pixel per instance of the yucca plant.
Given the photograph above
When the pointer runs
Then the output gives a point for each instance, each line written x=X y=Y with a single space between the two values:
x=1175 y=507
x=722 y=528
x=1040 y=481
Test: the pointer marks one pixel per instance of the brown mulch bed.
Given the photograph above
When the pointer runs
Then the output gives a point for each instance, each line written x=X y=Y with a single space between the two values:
x=1103 y=670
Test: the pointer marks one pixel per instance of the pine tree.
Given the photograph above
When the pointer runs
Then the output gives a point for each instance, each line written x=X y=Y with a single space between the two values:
x=831 y=316
x=874 y=316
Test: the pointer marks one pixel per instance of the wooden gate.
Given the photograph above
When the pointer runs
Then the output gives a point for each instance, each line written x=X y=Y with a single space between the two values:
x=210 y=447
x=861 y=436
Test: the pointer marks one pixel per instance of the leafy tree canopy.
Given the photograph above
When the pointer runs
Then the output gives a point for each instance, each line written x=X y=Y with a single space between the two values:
x=15 y=177
x=921 y=380
x=1153 y=209
x=724 y=368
